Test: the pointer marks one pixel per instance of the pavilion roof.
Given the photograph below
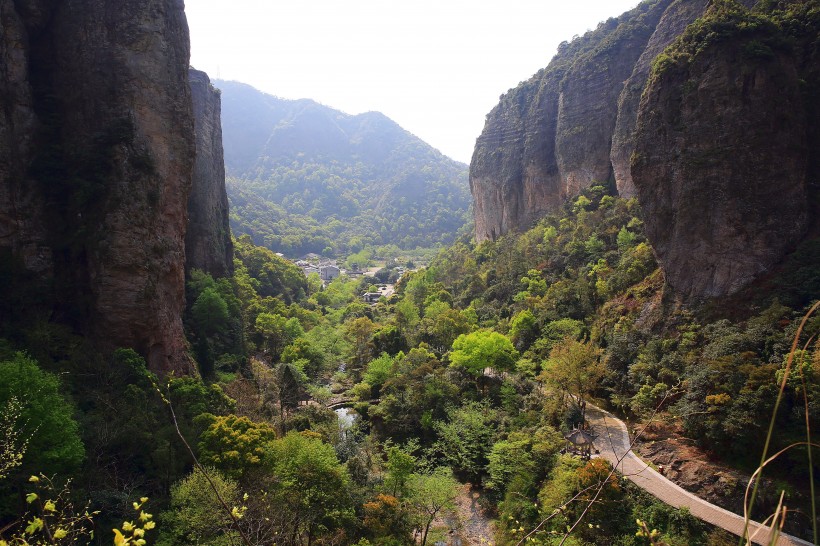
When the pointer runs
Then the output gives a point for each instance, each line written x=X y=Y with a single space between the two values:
x=580 y=437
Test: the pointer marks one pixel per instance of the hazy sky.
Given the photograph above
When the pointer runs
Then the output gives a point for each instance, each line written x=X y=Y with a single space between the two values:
x=436 y=67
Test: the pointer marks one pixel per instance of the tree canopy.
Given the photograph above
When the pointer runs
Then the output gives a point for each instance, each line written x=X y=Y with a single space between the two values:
x=483 y=349
x=46 y=416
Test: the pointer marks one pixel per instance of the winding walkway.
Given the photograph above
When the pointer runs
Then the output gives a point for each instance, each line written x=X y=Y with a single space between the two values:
x=613 y=443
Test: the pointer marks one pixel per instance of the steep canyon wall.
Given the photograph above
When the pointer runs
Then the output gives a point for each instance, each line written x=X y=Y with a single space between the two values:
x=97 y=153
x=718 y=147
x=208 y=243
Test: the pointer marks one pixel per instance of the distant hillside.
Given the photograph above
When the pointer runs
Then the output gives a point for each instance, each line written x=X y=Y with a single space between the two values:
x=303 y=177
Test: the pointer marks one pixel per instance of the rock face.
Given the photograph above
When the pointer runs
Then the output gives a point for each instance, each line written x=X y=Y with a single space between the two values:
x=721 y=156
x=96 y=156
x=551 y=136
x=208 y=243
x=717 y=150
x=674 y=21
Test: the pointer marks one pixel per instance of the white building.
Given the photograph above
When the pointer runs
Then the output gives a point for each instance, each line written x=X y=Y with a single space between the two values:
x=328 y=272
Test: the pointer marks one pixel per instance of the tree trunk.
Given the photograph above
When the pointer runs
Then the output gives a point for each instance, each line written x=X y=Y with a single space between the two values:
x=426 y=530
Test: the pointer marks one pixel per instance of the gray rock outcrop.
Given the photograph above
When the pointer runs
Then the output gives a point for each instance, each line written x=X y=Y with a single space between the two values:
x=720 y=160
x=208 y=243
x=551 y=136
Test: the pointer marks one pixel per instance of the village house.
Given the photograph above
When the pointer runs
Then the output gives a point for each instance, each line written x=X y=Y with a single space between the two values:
x=329 y=272
x=371 y=297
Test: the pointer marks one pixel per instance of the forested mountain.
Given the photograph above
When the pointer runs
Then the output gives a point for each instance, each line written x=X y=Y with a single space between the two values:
x=304 y=177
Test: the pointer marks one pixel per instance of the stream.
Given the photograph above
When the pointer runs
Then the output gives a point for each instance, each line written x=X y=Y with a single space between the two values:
x=347 y=416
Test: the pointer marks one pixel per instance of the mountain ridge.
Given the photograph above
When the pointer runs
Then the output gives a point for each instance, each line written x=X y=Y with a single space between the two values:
x=349 y=180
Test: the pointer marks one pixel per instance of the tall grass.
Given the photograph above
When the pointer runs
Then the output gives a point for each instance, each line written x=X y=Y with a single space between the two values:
x=779 y=515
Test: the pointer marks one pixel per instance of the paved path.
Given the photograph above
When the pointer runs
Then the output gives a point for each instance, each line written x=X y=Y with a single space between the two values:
x=613 y=443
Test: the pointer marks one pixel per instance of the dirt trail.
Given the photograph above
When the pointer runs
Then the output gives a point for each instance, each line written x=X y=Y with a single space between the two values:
x=469 y=524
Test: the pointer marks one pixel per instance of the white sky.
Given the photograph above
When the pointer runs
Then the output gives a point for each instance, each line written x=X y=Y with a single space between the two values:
x=436 y=67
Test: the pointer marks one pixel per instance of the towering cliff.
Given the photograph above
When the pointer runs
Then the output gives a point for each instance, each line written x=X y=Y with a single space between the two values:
x=551 y=136
x=96 y=152
x=717 y=153
x=208 y=240
x=722 y=148
x=675 y=19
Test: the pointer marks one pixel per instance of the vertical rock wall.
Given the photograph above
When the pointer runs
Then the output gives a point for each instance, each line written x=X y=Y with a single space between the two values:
x=720 y=162
x=551 y=136
x=96 y=156
x=720 y=150
x=513 y=174
x=22 y=233
x=679 y=15
x=208 y=243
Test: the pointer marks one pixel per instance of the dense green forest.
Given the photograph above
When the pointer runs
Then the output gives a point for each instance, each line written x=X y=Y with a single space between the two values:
x=306 y=178
x=577 y=296
x=308 y=415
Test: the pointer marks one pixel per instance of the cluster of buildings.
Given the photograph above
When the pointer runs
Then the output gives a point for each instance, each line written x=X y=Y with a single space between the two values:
x=329 y=270
x=326 y=269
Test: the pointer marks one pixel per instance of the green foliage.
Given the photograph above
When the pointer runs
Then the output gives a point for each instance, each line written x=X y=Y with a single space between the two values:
x=328 y=180
x=51 y=518
x=400 y=465
x=626 y=239
x=196 y=516
x=379 y=370
x=724 y=21
x=309 y=483
x=359 y=260
x=579 y=295
x=45 y=415
x=124 y=423
x=193 y=397
x=418 y=394
x=271 y=327
x=523 y=328
x=440 y=326
x=508 y=458
x=305 y=351
x=607 y=516
x=582 y=203
x=13 y=439
x=680 y=526
x=234 y=445
x=476 y=351
x=430 y=495
x=210 y=312
x=634 y=265
x=574 y=369
x=271 y=275
x=340 y=292
x=466 y=438
x=214 y=321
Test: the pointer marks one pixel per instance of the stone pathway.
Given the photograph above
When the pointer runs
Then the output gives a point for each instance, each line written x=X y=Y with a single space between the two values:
x=613 y=443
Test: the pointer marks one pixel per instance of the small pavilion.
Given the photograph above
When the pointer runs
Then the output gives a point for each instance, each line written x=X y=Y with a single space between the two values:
x=579 y=442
